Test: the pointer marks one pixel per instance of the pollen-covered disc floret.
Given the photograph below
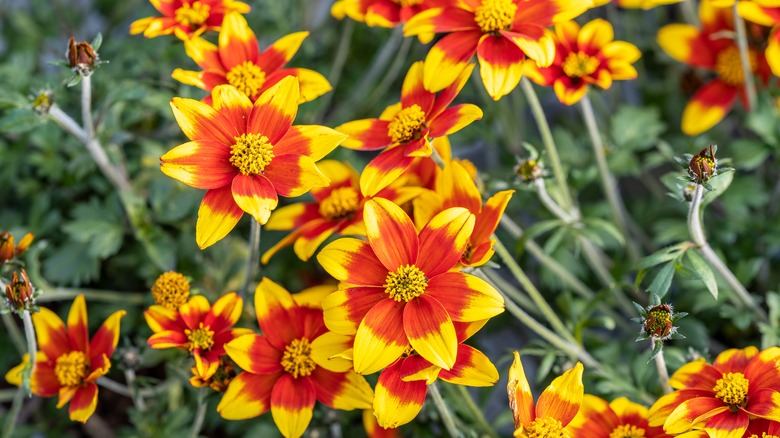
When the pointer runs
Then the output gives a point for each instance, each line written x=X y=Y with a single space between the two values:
x=296 y=358
x=407 y=124
x=578 y=64
x=71 y=368
x=406 y=283
x=495 y=15
x=728 y=65
x=545 y=427
x=192 y=15
x=202 y=337
x=171 y=290
x=251 y=153
x=627 y=431
x=247 y=77
x=732 y=389
x=340 y=203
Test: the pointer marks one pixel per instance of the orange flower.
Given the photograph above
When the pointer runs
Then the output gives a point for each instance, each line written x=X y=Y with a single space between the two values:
x=237 y=61
x=381 y=13
x=555 y=408
x=9 y=251
x=402 y=290
x=585 y=56
x=186 y=18
x=620 y=418
x=69 y=363
x=405 y=130
x=246 y=154
x=500 y=32
x=292 y=365
x=723 y=398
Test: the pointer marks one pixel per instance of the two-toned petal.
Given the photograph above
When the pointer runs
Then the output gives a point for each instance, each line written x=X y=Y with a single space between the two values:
x=397 y=402
x=247 y=396
x=274 y=111
x=472 y=368
x=84 y=402
x=292 y=404
x=446 y=235
x=217 y=216
x=294 y=175
x=562 y=399
x=353 y=261
x=380 y=339
x=465 y=297
x=342 y=390
x=390 y=233
x=708 y=106
x=430 y=331
x=203 y=164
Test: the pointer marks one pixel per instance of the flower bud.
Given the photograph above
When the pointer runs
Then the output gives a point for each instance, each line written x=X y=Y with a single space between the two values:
x=703 y=166
x=81 y=58
x=221 y=378
x=20 y=292
x=529 y=171
x=9 y=251
x=43 y=102
x=658 y=324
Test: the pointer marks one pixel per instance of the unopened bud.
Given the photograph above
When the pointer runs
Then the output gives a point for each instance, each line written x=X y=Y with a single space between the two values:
x=43 y=102
x=529 y=171
x=658 y=324
x=81 y=58
x=703 y=166
x=20 y=292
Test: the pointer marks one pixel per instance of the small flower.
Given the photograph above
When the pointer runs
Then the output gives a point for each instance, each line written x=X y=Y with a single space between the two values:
x=69 y=363
x=82 y=59
x=620 y=418
x=171 y=290
x=19 y=293
x=186 y=18
x=218 y=381
x=703 y=165
x=555 y=408
x=8 y=251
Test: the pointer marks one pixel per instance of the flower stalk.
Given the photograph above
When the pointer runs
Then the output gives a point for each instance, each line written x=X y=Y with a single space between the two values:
x=32 y=348
x=744 y=57
x=447 y=416
x=253 y=260
x=200 y=414
x=660 y=365
x=479 y=416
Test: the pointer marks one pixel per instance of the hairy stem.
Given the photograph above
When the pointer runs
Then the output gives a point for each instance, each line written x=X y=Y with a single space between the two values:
x=14 y=333
x=32 y=349
x=479 y=416
x=253 y=261
x=660 y=365
x=86 y=106
x=10 y=419
x=138 y=399
x=200 y=413
x=744 y=57
x=446 y=415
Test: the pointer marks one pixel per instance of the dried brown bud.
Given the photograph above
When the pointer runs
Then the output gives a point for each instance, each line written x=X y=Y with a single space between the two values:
x=702 y=166
x=81 y=58
x=658 y=323
x=529 y=170
x=20 y=292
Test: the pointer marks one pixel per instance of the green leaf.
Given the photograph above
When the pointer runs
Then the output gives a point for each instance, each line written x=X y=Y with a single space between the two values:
x=703 y=271
x=635 y=127
x=71 y=264
x=605 y=228
x=662 y=280
x=103 y=238
x=97 y=42
x=660 y=256
x=747 y=154
x=719 y=183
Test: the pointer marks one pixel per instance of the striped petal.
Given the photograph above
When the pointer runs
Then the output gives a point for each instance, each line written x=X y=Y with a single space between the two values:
x=762 y=371
x=281 y=51
x=365 y=134
x=253 y=353
x=465 y=297
x=294 y=175
x=440 y=20
x=445 y=97
x=448 y=58
x=247 y=396
x=390 y=233
x=159 y=318
x=84 y=402
x=313 y=141
x=344 y=310
x=106 y=338
x=292 y=404
x=430 y=331
x=540 y=47
x=413 y=91
x=312 y=84
x=666 y=404
x=708 y=106
x=380 y=338
x=521 y=400
x=274 y=111
x=728 y=424
x=217 y=216
x=454 y=119
x=78 y=332
x=695 y=375
x=200 y=121
x=326 y=351
x=443 y=240
x=50 y=332
x=397 y=402
x=275 y=313
x=765 y=404
x=204 y=53
x=383 y=170
x=232 y=104
x=487 y=221
x=594 y=419
x=735 y=360
x=225 y=312
x=472 y=368
x=500 y=65
x=254 y=194
x=692 y=412
x=353 y=261
x=455 y=185
x=203 y=164
x=237 y=42
x=194 y=311
x=344 y=390
x=562 y=399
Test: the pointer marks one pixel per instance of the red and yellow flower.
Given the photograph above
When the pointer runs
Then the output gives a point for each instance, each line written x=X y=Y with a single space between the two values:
x=186 y=18
x=246 y=154
x=711 y=48
x=381 y=13
x=620 y=418
x=405 y=130
x=401 y=289
x=636 y=4
x=199 y=328
x=237 y=61
x=292 y=365
x=724 y=398
x=337 y=208
x=556 y=407
x=502 y=33
x=69 y=363
x=8 y=250
x=765 y=13
x=403 y=386
x=583 y=56
x=760 y=428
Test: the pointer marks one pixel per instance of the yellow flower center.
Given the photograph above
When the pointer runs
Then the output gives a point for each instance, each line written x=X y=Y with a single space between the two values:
x=247 y=77
x=251 y=153
x=192 y=15
x=296 y=359
x=578 y=64
x=406 y=283
x=545 y=427
x=627 y=431
x=407 y=124
x=340 y=203
x=732 y=389
x=728 y=65
x=171 y=290
x=201 y=337
x=495 y=15
x=763 y=435
x=71 y=368
x=407 y=2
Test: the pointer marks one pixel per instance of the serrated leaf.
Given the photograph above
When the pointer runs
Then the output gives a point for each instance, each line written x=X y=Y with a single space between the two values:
x=703 y=271
x=103 y=238
x=71 y=264
x=662 y=280
x=636 y=127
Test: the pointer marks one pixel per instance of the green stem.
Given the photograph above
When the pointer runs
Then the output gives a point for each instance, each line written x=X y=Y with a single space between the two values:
x=696 y=229
x=744 y=56
x=547 y=140
x=392 y=73
x=446 y=415
x=107 y=296
x=16 y=407
x=479 y=416
x=200 y=414
x=13 y=331
x=345 y=42
x=253 y=261
x=660 y=365
x=607 y=179
x=137 y=398
x=86 y=106
x=126 y=391
x=32 y=349
x=512 y=292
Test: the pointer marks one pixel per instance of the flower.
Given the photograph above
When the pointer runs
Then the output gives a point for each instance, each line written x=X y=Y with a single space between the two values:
x=619 y=418
x=69 y=363
x=709 y=48
x=401 y=288
x=556 y=407
x=237 y=61
x=760 y=428
x=337 y=208
x=198 y=327
x=221 y=378
x=186 y=18
x=171 y=290
x=500 y=32
x=405 y=129
x=9 y=251
x=291 y=365
x=583 y=56
x=384 y=13
x=765 y=13
x=722 y=398
x=81 y=57
x=403 y=386
x=245 y=154
x=636 y=4
x=19 y=294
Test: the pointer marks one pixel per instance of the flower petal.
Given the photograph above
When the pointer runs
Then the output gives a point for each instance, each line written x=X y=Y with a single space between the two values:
x=159 y=318
x=78 y=332
x=472 y=368
x=254 y=194
x=50 y=332
x=365 y=134
x=413 y=91
x=430 y=331
x=200 y=121
x=247 y=396
x=344 y=310
x=313 y=141
x=292 y=403
x=326 y=351
x=203 y=164
x=454 y=119
x=232 y=104
x=383 y=170
x=275 y=310
x=281 y=51
x=735 y=360
x=500 y=64
x=444 y=239
x=692 y=412
x=562 y=399
x=390 y=233
x=380 y=338
x=353 y=261
x=467 y=298
x=708 y=106
x=343 y=390
x=728 y=424
x=521 y=400
x=294 y=175
x=225 y=312
x=666 y=404
x=448 y=58
x=217 y=216
x=237 y=42
x=684 y=43
x=695 y=375
x=84 y=402
x=106 y=338
x=253 y=353
x=397 y=402
x=275 y=110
